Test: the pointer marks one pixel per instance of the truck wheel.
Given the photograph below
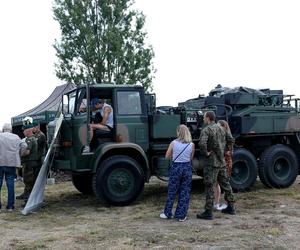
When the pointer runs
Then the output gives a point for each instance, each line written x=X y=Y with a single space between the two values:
x=119 y=180
x=244 y=170
x=278 y=166
x=83 y=182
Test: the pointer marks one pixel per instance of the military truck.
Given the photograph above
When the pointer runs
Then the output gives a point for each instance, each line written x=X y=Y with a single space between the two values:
x=265 y=125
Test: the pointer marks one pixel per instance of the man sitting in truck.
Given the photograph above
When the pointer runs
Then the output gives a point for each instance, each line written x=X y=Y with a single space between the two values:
x=100 y=128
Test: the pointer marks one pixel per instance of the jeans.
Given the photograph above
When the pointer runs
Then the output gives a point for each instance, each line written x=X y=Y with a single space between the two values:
x=9 y=173
x=180 y=181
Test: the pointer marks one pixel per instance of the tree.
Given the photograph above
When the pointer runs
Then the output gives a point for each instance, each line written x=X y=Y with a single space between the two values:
x=102 y=41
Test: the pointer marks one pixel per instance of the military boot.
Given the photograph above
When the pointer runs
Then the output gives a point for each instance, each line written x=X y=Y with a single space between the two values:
x=206 y=215
x=22 y=196
x=230 y=209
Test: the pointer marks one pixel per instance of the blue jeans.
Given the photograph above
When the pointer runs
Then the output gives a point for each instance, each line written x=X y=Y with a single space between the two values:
x=9 y=173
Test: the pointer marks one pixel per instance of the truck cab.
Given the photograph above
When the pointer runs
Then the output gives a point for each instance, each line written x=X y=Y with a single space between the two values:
x=118 y=166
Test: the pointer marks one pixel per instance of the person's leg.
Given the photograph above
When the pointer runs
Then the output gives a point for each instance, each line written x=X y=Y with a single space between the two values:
x=223 y=179
x=210 y=180
x=28 y=175
x=174 y=179
x=1 y=182
x=217 y=191
x=9 y=178
x=184 y=192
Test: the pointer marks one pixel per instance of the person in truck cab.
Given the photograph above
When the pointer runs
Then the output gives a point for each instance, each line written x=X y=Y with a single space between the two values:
x=102 y=125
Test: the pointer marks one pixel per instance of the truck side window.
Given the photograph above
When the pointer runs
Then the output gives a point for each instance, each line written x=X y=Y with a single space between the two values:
x=72 y=99
x=129 y=103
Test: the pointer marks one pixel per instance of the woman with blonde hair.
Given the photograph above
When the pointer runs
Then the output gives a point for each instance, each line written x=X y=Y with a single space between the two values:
x=180 y=177
x=228 y=161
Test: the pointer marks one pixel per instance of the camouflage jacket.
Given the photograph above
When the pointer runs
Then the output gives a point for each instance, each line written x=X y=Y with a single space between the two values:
x=41 y=141
x=32 y=146
x=214 y=139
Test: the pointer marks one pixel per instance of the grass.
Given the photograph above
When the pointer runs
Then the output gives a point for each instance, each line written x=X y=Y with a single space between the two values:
x=74 y=221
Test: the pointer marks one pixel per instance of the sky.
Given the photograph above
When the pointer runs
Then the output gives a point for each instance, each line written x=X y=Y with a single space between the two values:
x=198 y=44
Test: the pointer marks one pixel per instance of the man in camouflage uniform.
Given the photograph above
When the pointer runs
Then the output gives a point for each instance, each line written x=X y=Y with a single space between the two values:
x=213 y=140
x=41 y=141
x=30 y=161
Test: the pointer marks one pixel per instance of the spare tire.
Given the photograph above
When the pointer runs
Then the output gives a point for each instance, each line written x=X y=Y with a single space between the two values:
x=278 y=166
x=244 y=170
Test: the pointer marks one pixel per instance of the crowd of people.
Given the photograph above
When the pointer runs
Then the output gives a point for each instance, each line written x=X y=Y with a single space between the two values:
x=26 y=154
x=215 y=146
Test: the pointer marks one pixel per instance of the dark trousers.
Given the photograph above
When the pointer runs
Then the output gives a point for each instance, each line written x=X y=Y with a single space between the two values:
x=180 y=180
x=9 y=173
x=30 y=173
x=212 y=175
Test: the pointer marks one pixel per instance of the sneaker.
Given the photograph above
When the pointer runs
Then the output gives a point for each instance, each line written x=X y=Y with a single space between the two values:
x=182 y=220
x=10 y=210
x=86 y=149
x=206 y=215
x=163 y=216
x=230 y=209
x=217 y=206
x=223 y=206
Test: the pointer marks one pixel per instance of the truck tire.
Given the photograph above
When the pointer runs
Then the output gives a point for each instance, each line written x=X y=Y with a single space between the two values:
x=119 y=180
x=244 y=170
x=278 y=166
x=83 y=182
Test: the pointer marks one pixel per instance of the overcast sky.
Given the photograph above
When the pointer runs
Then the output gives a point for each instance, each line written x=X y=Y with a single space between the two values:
x=198 y=44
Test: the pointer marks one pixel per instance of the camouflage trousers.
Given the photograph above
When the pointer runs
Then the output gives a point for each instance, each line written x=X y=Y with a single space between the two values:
x=212 y=175
x=30 y=173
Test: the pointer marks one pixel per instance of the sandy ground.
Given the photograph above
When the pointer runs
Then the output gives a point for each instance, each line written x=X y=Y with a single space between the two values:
x=266 y=219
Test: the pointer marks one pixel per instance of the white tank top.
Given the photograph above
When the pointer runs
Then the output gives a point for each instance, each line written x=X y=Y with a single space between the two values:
x=185 y=156
x=110 y=119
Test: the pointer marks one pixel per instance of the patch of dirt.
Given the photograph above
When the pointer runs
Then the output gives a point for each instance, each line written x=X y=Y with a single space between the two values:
x=266 y=219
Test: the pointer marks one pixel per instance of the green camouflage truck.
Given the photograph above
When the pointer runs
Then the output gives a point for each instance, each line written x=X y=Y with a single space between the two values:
x=265 y=126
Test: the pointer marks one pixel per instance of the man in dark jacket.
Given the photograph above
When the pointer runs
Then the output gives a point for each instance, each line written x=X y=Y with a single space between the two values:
x=213 y=140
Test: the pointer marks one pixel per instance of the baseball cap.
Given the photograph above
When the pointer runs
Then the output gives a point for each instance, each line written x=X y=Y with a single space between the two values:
x=95 y=101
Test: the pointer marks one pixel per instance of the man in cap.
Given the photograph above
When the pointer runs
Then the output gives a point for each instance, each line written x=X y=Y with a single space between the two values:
x=30 y=160
x=41 y=141
x=104 y=124
x=10 y=148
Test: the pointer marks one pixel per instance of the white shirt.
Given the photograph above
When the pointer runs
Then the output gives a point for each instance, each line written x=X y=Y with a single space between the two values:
x=10 y=146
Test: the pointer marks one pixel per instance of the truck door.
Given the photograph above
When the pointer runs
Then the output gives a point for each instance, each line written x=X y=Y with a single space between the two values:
x=131 y=119
x=75 y=131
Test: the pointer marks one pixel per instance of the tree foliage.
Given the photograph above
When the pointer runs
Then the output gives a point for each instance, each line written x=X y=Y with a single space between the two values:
x=102 y=41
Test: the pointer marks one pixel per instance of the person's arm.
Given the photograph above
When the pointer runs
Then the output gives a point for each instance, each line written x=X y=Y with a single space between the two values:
x=23 y=147
x=28 y=148
x=193 y=151
x=169 y=151
x=203 y=142
x=229 y=141
x=106 y=113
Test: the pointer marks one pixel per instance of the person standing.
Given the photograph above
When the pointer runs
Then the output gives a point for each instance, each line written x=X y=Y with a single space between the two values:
x=10 y=148
x=228 y=164
x=42 y=143
x=30 y=161
x=212 y=143
x=180 y=178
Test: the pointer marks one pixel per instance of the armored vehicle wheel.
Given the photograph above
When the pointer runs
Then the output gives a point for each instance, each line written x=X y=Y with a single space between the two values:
x=119 y=180
x=278 y=166
x=244 y=170
x=83 y=182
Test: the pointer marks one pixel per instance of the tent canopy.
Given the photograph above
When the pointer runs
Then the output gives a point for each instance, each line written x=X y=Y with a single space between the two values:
x=47 y=110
